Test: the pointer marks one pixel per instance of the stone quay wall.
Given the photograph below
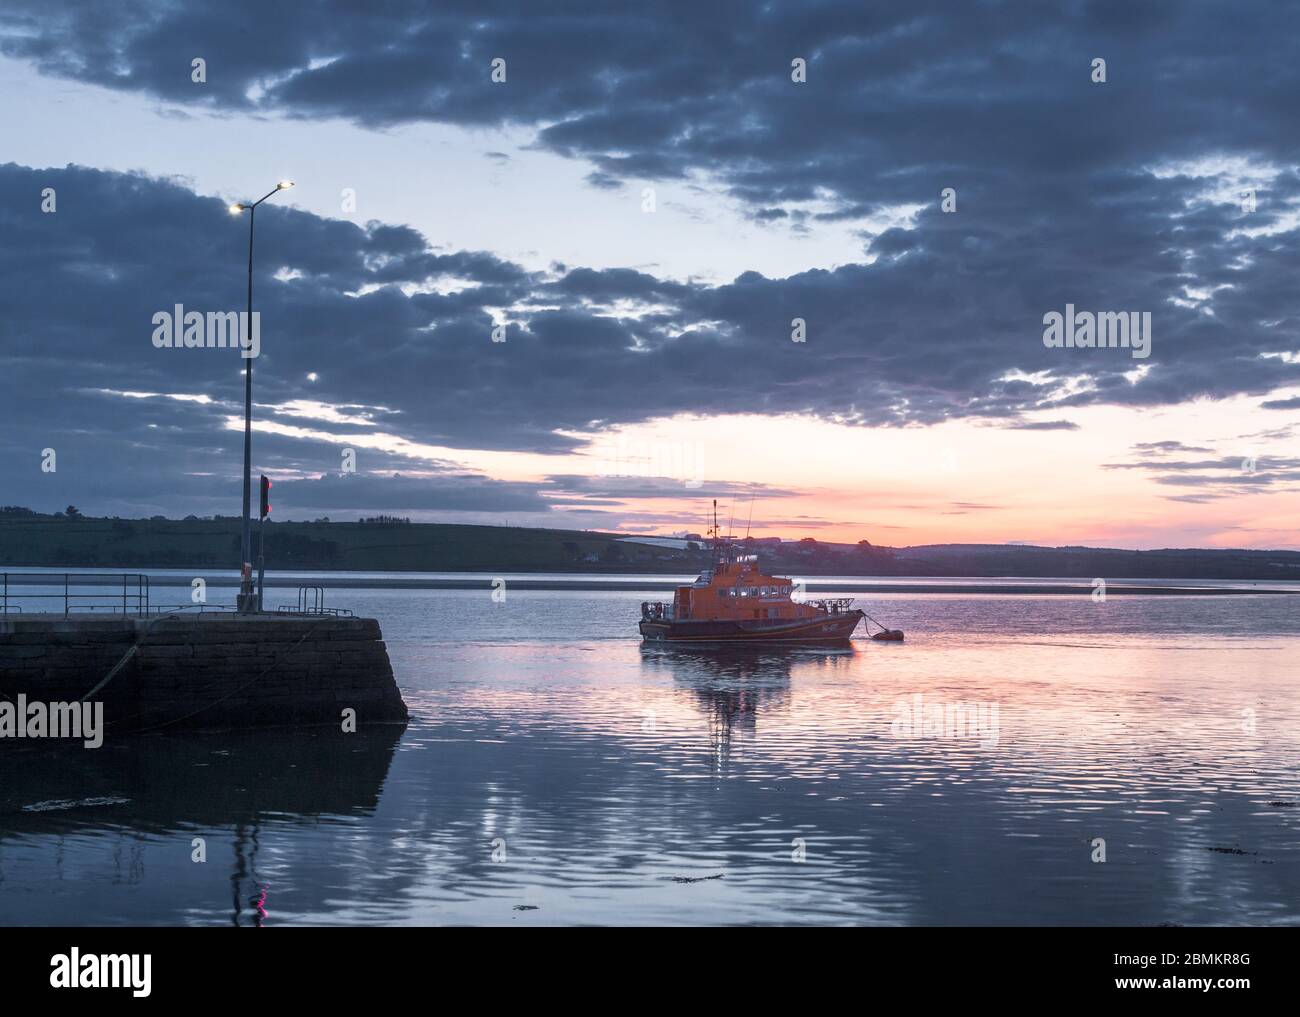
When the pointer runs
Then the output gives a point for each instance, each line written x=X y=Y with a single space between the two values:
x=203 y=671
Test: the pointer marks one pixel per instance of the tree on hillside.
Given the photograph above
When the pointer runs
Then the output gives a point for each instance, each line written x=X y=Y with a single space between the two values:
x=72 y=512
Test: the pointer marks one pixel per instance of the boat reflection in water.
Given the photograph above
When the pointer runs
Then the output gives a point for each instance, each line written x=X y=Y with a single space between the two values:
x=733 y=684
x=182 y=810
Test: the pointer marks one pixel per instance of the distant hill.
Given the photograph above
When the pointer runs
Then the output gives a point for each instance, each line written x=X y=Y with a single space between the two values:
x=393 y=545
x=60 y=541
x=1084 y=562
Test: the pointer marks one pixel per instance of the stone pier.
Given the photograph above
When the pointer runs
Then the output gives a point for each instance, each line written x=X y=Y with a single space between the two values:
x=203 y=671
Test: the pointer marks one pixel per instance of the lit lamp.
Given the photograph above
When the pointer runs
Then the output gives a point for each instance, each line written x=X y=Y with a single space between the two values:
x=249 y=601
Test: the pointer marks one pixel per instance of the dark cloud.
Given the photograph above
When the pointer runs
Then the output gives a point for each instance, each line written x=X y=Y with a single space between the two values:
x=1066 y=192
x=1044 y=425
x=628 y=487
x=1229 y=463
x=957 y=93
x=1168 y=446
x=1216 y=478
x=585 y=348
x=604 y=181
x=451 y=492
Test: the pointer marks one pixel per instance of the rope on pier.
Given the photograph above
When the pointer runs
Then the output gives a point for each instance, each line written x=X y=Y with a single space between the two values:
x=258 y=677
x=135 y=647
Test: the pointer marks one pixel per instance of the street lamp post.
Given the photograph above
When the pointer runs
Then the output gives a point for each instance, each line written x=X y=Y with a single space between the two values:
x=248 y=601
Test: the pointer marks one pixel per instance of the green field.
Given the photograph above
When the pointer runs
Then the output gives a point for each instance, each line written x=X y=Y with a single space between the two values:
x=71 y=542
x=80 y=542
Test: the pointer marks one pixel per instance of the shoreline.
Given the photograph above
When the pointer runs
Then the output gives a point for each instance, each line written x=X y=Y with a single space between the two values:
x=973 y=586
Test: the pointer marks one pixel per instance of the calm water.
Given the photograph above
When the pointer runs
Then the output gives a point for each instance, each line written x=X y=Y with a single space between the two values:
x=621 y=784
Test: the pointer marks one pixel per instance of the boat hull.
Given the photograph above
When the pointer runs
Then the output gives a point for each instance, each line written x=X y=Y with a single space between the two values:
x=823 y=630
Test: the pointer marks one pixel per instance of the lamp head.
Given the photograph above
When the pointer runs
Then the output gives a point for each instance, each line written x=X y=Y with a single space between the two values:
x=284 y=185
x=235 y=209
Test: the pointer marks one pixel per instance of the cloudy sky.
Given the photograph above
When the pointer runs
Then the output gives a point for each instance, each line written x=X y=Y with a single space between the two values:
x=641 y=209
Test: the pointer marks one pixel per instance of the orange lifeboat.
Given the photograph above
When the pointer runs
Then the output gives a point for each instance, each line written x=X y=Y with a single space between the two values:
x=736 y=602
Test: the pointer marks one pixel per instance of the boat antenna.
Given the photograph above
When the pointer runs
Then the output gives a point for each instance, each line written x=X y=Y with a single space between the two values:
x=751 y=514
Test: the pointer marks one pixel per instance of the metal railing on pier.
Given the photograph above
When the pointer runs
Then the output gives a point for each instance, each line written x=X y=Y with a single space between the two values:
x=311 y=600
x=124 y=594
x=128 y=593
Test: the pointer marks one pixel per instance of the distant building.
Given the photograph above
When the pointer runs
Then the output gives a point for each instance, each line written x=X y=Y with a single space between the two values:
x=677 y=543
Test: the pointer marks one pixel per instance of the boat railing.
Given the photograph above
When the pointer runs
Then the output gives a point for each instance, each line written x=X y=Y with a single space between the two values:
x=833 y=605
x=656 y=611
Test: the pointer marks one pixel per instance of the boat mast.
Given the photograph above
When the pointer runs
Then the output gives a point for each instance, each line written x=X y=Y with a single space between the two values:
x=719 y=550
x=717 y=546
